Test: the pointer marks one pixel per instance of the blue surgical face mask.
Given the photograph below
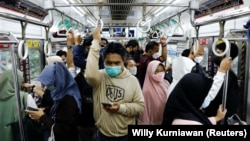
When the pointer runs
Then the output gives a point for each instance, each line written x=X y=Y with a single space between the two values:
x=113 y=70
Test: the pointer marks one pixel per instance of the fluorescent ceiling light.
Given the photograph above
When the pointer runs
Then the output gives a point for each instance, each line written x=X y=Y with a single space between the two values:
x=65 y=1
x=77 y=11
x=90 y=22
x=164 y=10
x=78 y=8
x=93 y=21
x=159 y=12
x=72 y=1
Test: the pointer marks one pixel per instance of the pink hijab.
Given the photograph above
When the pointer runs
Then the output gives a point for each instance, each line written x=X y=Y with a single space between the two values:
x=154 y=96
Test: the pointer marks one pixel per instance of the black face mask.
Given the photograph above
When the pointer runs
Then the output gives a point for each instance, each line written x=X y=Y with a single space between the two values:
x=217 y=60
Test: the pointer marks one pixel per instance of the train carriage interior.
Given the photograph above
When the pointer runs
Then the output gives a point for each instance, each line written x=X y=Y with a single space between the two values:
x=31 y=30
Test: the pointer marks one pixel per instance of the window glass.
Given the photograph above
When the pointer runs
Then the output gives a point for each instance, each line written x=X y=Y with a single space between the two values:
x=5 y=60
x=34 y=63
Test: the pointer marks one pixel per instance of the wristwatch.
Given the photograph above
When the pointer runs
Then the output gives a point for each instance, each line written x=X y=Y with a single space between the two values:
x=69 y=47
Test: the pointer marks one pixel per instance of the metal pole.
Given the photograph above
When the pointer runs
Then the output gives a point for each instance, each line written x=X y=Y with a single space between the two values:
x=64 y=15
x=117 y=4
x=17 y=91
x=183 y=10
x=236 y=39
x=246 y=82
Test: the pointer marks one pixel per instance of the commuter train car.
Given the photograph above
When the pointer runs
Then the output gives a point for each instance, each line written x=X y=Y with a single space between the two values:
x=31 y=30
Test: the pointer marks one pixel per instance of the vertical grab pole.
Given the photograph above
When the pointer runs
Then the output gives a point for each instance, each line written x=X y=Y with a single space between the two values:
x=227 y=53
x=224 y=96
x=225 y=86
x=17 y=92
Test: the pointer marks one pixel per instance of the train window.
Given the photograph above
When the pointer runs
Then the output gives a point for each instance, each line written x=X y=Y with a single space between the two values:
x=5 y=60
x=171 y=53
x=34 y=63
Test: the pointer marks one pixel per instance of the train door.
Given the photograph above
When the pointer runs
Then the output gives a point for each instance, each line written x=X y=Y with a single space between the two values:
x=240 y=66
x=36 y=59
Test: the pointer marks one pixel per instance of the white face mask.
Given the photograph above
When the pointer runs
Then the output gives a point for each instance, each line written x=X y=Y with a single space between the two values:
x=133 y=70
x=198 y=59
x=156 y=55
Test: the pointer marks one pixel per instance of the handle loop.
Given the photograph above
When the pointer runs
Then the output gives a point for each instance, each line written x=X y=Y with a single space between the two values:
x=20 y=47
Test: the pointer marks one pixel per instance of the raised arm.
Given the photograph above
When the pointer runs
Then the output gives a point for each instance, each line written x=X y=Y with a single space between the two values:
x=163 y=48
x=92 y=73
x=225 y=65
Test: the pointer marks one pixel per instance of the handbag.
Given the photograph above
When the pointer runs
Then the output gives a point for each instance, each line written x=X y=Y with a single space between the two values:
x=52 y=136
x=234 y=119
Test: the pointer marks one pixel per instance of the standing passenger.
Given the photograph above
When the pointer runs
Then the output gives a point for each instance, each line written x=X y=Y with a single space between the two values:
x=8 y=106
x=154 y=92
x=114 y=85
x=151 y=49
x=131 y=65
x=64 y=113
x=233 y=90
x=183 y=105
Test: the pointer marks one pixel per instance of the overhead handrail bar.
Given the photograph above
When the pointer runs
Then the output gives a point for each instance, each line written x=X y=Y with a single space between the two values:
x=17 y=91
x=65 y=15
x=173 y=15
x=236 y=39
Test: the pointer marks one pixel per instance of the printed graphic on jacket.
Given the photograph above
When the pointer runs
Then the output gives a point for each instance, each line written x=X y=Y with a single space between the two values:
x=114 y=93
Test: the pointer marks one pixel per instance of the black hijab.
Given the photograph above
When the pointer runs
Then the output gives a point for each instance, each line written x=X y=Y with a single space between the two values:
x=185 y=100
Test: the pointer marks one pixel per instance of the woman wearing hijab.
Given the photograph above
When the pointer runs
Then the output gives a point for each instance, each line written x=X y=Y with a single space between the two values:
x=183 y=105
x=154 y=92
x=66 y=107
x=8 y=107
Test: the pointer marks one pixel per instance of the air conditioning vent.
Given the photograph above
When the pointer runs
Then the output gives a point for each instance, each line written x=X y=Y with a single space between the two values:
x=25 y=7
